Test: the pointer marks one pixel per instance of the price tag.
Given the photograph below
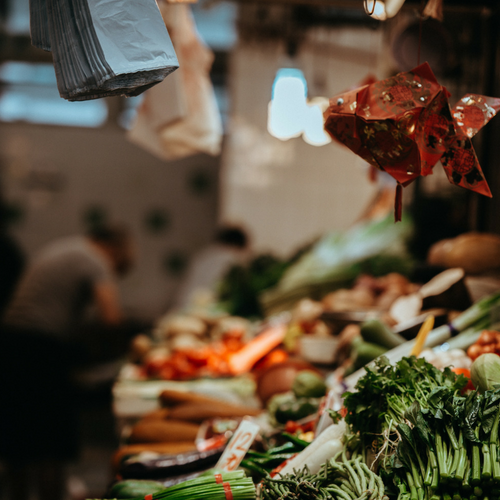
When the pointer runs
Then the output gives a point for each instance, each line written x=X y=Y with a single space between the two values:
x=238 y=446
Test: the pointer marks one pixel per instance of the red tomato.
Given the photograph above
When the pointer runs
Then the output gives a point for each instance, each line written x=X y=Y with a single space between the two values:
x=155 y=365
x=466 y=373
x=291 y=427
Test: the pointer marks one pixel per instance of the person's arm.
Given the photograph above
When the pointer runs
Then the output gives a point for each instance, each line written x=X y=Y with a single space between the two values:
x=108 y=307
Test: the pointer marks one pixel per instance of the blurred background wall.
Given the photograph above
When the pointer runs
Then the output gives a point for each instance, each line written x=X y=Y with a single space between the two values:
x=67 y=165
x=290 y=192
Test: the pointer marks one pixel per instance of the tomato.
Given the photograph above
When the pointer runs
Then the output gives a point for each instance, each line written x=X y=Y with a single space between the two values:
x=155 y=365
x=291 y=427
x=466 y=373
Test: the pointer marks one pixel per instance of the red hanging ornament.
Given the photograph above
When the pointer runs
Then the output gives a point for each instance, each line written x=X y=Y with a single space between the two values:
x=403 y=125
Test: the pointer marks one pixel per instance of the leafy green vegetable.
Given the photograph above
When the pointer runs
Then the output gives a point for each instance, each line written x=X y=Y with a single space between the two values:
x=485 y=372
x=386 y=392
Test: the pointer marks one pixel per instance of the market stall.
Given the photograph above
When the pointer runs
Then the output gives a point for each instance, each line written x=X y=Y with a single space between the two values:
x=362 y=364
x=183 y=395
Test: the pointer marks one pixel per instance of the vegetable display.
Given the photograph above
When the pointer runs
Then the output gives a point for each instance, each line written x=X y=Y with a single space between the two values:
x=340 y=480
x=427 y=439
x=210 y=487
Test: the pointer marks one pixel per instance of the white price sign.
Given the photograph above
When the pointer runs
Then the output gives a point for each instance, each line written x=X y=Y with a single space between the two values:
x=238 y=446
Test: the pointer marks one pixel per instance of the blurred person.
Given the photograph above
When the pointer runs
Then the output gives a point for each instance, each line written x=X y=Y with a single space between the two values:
x=208 y=267
x=38 y=351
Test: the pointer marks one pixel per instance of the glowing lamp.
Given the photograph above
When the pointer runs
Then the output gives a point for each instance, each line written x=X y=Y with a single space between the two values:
x=383 y=9
x=290 y=115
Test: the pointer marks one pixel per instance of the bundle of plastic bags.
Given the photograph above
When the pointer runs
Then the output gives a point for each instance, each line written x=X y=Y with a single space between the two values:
x=103 y=47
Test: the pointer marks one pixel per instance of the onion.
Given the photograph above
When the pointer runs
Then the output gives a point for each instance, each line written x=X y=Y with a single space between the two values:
x=487 y=337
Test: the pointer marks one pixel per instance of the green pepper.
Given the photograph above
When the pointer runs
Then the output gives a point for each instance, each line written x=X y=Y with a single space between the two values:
x=300 y=443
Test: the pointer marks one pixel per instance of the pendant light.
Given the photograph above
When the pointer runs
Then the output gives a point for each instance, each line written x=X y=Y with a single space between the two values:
x=383 y=9
x=288 y=107
x=289 y=112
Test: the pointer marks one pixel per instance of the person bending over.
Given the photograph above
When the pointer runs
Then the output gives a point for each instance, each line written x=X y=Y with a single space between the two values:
x=38 y=352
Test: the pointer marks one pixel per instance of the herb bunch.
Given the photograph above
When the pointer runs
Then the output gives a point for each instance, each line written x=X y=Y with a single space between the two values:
x=386 y=392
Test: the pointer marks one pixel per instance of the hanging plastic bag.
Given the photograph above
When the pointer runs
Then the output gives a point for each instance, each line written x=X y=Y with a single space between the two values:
x=103 y=47
x=180 y=116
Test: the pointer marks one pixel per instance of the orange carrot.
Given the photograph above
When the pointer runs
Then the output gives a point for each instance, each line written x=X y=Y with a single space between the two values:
x=243 y=360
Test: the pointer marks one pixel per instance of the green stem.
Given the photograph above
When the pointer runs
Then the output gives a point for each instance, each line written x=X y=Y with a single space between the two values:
x=413 y=491
x=494 y=449
x=486 y=472
x=441 y=457
x=494 y=462
x=462 y=464
x=435 y=478
x=475 y=477
x=466 y=482
x=452 y=436
x=428 y=474
x=416 y=475
x=456 y=461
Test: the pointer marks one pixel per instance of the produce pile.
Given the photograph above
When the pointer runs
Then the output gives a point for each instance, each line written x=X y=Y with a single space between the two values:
x=409 y=431
x=412 y=432
x=190 y=347
x=175 y=427
x=488 y=342
x=220 y=486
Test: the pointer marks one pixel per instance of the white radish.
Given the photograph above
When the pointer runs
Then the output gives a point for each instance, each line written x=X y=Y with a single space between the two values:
x=324 y=447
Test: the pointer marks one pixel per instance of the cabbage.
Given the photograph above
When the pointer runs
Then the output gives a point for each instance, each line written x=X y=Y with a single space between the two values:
x=485 y=372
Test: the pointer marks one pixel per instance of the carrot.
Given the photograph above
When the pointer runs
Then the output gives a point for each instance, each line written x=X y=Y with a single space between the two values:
x=243 y=360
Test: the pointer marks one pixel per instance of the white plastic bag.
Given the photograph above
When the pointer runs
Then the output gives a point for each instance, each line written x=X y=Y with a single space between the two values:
x=180 y=116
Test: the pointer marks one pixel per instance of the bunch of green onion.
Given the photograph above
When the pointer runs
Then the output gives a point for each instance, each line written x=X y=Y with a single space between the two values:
x=224 y=486
x=207 y=487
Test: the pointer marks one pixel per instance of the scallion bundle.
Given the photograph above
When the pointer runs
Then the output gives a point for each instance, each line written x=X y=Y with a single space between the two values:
x=225 y=486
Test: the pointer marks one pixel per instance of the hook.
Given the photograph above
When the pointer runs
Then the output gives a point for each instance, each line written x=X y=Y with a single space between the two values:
x=367 y=10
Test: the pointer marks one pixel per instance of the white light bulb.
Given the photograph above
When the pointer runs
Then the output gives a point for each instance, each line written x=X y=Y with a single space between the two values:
x=376 y=9
x=288 y=105
x=383 y=9
x=314 y=132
